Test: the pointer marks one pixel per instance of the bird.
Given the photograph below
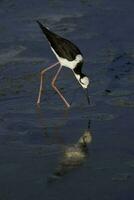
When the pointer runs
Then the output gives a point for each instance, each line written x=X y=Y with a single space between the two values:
x=68 y=55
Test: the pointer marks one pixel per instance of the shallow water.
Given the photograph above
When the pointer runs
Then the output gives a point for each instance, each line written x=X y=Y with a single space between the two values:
x=33 y=140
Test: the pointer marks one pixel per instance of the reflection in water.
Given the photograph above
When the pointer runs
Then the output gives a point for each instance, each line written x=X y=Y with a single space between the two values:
x=73 y=155
x=46 y=121
x=45 y=118
x=51 y=125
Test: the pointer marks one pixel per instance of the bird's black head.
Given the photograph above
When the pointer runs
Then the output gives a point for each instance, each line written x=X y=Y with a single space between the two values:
x=84 y=81
x=82 y=78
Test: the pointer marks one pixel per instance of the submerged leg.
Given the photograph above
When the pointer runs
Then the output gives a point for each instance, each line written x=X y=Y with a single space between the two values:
x=41 y=80
x=56 y=89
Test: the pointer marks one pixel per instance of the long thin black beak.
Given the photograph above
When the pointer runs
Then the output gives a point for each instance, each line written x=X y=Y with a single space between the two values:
x=87 y=95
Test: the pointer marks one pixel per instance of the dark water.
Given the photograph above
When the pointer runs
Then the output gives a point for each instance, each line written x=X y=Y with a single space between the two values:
x=33 y=142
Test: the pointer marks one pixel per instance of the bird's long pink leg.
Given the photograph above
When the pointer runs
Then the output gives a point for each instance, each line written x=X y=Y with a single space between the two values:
x=41 y=80
x=56 y=89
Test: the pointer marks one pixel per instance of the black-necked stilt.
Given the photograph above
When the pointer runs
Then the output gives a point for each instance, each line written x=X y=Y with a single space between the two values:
x=68 y=55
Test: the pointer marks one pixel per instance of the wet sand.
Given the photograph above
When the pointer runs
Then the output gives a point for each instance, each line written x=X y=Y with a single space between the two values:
x=33 y=141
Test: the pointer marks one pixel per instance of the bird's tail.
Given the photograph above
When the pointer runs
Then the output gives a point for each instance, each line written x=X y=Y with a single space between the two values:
x=43 y=28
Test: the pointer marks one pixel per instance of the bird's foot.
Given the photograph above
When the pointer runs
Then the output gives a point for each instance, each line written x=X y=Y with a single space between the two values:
x=38 y=102
x=68 y=105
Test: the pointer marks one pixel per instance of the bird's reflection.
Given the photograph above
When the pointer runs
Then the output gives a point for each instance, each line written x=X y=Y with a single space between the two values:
x=73 y=155
x=47 y=122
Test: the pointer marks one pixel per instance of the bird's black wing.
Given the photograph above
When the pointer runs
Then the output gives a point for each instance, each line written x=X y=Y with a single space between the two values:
x=63 y=47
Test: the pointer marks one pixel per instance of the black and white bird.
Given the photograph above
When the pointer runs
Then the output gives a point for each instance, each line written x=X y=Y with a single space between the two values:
x=68 y=55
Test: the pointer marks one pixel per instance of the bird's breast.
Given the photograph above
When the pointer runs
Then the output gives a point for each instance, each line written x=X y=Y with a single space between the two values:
x=67 y=63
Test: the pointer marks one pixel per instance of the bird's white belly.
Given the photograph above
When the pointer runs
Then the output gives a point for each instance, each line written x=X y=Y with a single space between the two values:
x=66 y=63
